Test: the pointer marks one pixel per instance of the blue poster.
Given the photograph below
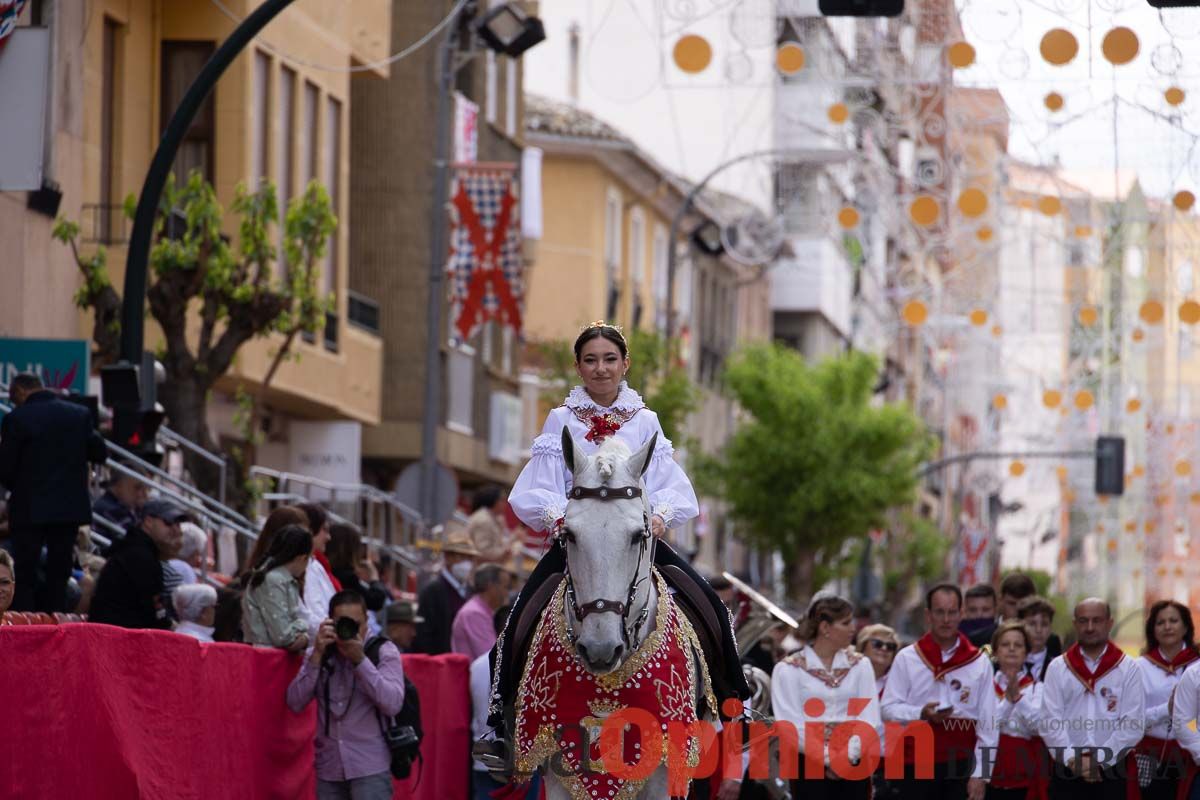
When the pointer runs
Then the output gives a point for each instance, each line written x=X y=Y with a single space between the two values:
x=62 y=363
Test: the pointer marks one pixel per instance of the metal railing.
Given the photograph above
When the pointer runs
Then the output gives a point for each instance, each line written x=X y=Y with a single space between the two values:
x=382 y=517
x=169 y=437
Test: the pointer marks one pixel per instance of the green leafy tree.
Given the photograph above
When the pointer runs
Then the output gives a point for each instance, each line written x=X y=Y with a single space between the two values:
x=654 y=372
x=914 y=556
x=210 y=296
x=816 y=464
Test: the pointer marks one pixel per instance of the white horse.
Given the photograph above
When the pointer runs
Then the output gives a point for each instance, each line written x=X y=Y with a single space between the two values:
x=606 y=612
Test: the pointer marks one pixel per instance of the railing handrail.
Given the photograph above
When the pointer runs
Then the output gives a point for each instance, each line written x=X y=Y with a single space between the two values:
x=188 y=444
x=222 y=509
x=397 y=551
x=361 y=489
x=217 y=515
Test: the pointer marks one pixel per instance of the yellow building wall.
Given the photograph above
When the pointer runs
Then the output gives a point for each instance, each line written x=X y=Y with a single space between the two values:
x=568 y=288
x=321 y=383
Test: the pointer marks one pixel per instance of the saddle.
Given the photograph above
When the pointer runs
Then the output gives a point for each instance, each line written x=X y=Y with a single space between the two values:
x=688 y=596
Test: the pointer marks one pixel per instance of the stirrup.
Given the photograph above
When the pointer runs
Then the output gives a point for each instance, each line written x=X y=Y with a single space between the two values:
x=494 y=755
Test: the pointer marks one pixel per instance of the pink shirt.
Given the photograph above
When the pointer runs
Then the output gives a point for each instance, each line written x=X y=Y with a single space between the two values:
x=473 y=633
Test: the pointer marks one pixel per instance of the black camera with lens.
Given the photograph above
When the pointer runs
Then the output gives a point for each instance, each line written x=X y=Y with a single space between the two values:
x=346 y=628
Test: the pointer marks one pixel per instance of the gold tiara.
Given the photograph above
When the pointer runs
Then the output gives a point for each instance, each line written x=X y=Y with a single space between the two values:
x=602 y=324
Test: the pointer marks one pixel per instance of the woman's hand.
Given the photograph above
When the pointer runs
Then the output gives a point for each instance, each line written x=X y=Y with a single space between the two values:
x=1012 y=692
x=299 y=644
x=976 y=789
x=657 y=526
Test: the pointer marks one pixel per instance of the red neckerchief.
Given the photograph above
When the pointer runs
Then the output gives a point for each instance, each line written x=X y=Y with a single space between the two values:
x=555 y=690
x=324 y=562
x=1184 y=657
x=1073 y=658
x=931 y=653
x=1025 y=680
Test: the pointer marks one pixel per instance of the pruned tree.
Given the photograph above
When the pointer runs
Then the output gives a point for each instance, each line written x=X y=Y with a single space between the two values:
x=210 y=296
x=815 y=463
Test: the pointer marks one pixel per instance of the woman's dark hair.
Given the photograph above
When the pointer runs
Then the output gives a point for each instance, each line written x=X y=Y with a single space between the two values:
x=1006 y=627
x=486 y=497
x=317 y=517
x=1185 y=614
x=227 y=623
x=290 y=542
x=277 y=520
x=827 y=609
x=345 y=544
x=601 y=331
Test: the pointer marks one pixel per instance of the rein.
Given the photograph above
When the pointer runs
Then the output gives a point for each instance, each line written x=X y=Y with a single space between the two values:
x=603 y=605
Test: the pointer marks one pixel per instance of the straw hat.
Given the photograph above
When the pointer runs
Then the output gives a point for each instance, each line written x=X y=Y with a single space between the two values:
x=456 y=540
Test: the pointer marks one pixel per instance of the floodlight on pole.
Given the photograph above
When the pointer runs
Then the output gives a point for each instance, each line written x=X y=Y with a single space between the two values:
x=509 y=30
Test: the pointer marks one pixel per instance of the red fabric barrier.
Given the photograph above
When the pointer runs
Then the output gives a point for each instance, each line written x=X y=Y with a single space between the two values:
x=443 y=683
x=101 y=712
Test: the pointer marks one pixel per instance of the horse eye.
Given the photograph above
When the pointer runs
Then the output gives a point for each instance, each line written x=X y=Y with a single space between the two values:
x=637 y=538
x=568 y=535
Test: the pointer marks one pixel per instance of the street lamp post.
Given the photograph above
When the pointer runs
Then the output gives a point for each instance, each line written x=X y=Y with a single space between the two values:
x=507 y=30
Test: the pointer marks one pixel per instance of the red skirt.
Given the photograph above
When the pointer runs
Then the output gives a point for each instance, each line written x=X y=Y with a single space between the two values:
x=1022 y=764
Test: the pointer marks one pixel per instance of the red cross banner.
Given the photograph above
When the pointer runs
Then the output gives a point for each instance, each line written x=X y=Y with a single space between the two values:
x=485 y=269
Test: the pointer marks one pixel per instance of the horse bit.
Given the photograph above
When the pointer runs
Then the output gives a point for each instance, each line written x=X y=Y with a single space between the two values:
x=601 y=606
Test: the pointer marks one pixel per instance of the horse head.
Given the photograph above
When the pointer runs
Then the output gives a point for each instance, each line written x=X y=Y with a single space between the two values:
x=609 y=550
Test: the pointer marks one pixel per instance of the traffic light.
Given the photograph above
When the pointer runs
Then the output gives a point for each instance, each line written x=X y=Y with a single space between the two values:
x=1110 y=465
x=861 y=8
x=131 y=392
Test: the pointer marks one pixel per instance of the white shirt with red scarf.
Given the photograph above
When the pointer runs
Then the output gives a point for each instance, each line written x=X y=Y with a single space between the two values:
x=1160 y=676
x=1187 y=703
x=960 y=677
x=1089 y=703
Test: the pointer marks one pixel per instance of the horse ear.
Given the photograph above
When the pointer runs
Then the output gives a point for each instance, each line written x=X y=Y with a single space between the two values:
x=568 y=448
x=641 y=459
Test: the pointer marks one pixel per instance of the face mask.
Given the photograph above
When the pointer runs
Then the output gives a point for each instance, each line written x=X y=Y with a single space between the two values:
x=461 y=570
x=973 y=626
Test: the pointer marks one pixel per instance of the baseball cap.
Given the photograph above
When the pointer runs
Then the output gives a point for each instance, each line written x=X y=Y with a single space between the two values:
x=164 y=510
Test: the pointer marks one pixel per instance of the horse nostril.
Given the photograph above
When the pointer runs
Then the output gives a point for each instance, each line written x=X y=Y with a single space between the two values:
x=617 y=653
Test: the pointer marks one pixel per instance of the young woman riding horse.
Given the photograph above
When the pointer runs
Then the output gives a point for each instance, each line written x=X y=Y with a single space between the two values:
x=603 y=407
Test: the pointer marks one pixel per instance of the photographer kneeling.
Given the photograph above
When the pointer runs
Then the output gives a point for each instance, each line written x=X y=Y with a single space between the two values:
x=354 y=698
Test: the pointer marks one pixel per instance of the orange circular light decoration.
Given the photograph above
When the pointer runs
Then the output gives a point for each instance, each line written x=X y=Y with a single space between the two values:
x=1184 y=200
x=1194 y=497
x=1138 y=334
x=972 y=202
x=979 y=317
x=983 y=234
x=1174 y=96
x=1083 y=231
x=915 y=312
x=924 y=210
x=789 y=58
x=1120 y=46
x=1053 y=101
x=1133 y=406
x=692 y=53
x=1061 y=471
x=1049 y=205
x=1059 y=46
x=838 y=113
x=1138 y=471
x=848 y=217
x=960 y=55
x=1151 y=312
x=1000 y=402
x=997 y=330
x=1084 y=400
x=1130 y=526
x=1183 y=468
x=1189 y=312
x=1088 y=316
x=1016 y=469
x=1051 y=398
x=1112 y=545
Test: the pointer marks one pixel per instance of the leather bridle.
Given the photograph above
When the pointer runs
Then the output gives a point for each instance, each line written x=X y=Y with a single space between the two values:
x=604 y=605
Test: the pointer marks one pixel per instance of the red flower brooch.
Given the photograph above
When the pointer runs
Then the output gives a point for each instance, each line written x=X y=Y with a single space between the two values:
x=601 y=427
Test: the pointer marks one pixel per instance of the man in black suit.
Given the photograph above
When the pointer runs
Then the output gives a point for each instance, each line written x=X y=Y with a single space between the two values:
x=45 y=446
x=442 y=597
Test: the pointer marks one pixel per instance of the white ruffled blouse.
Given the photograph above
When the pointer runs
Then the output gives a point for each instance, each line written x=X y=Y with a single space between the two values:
x=539 y=497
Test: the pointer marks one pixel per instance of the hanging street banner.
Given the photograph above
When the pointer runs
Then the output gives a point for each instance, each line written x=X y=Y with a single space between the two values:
x=485 y=269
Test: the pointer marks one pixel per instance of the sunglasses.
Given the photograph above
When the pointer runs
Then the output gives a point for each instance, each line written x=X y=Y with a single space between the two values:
x=890 y=647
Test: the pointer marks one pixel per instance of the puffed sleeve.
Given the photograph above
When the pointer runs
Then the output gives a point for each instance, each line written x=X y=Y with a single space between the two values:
x=539 y=497
x=671 y=494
